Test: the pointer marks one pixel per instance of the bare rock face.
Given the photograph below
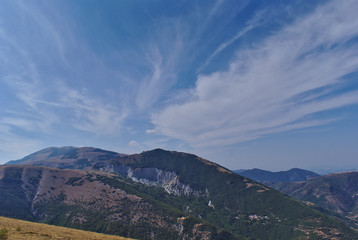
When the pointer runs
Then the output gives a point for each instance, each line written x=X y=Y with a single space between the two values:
x=167 y=180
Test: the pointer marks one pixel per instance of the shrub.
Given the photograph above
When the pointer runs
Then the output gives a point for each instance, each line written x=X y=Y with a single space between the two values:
x=4 y=234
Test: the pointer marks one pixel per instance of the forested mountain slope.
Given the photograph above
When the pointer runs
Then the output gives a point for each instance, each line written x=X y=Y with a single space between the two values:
x=159 y=194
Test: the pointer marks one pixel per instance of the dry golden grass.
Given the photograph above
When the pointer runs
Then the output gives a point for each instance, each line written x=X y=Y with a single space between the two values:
x=19 y=230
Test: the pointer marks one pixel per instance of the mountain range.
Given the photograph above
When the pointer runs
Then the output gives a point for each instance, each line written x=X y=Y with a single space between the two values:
x=156 y=194
x=334 y=192
x=269 y=178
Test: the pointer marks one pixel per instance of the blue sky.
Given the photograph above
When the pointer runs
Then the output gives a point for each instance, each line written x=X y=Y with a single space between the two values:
x=268 y=84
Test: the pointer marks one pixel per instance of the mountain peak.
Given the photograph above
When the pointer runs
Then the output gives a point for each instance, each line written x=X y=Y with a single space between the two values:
x=66 y=157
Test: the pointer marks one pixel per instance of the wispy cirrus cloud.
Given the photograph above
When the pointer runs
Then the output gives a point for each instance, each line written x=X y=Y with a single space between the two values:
x=161 y=77
x=251 y=24
x=82 y=112
x=90 y=114
x=40 y=56
x=280 y=85
x=69 y=78
x=176 y=43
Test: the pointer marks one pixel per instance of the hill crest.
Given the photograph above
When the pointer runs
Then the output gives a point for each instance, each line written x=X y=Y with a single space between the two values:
x=269 y=178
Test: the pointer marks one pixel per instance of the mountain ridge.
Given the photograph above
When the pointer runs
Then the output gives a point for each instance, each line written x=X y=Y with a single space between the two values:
x=210 y=199
x=269 y=178
x=66 y=157
x=337 y=192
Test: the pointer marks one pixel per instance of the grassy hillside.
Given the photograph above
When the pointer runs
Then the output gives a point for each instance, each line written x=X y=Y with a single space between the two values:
x=21 y=230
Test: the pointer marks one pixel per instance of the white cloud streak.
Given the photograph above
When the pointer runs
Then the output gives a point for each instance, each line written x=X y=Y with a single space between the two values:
x=84 y=112
x=163 y=57
x=90 y=114
x=253 y=23
x=175 y=45
x=41 y=97
x=133 y=143
x=278 y=86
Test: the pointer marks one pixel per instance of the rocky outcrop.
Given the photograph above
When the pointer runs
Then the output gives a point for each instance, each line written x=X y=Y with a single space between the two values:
x=167 y=180
x=98 y=201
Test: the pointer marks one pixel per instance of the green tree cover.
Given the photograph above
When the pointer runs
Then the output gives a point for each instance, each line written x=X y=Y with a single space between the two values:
x=234 y=201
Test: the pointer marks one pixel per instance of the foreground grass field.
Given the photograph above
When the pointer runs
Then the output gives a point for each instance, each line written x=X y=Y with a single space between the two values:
x=18 y=230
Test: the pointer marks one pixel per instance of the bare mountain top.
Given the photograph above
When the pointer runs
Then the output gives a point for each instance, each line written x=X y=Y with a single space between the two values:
x=67 y=157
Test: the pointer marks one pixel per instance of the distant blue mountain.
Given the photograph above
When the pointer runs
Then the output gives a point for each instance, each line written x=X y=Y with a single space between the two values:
x=325 y=171
x=269 y=178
